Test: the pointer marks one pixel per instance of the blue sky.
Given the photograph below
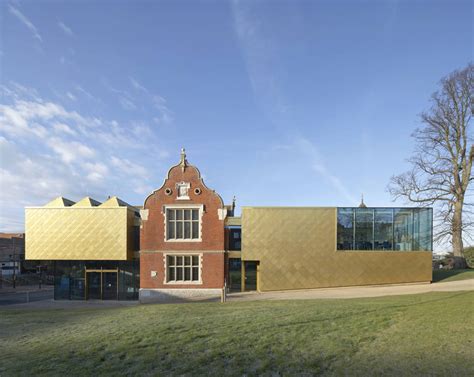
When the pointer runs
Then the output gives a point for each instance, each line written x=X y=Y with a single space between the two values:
x=279 y=103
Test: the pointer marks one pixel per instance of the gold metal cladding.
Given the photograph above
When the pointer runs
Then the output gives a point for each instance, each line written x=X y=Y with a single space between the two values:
x=87 y=202
x=60 y=202
x=234 y=254
x=79 y=233
x=296 y=248
x=233 y=221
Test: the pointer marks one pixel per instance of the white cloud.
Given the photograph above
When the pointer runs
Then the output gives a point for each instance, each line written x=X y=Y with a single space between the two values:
x=315 y=161
x=129 y=167
x=261 y=54
x=124 y=98
x=97 y=167
x=137 y=85
x=23 y=118
x=19 y=92
x=141 y=129
x=66 y=29
x=47 y=150
x=127 y=104
x=81 y=90
x=165 y=116
x=23 y=19
x=71 y=96
x=95 y=177
x=141 y=188
x=28 y=179
x=159 y=102
x=64 y=128
x=162 y=154
x=70 y=151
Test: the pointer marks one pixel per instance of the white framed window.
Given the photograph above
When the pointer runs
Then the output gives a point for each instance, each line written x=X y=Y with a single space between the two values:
x=183 y=223
x=183 y=269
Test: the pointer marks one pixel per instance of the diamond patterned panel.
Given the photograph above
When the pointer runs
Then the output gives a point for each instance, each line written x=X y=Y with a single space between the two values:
x=296 y=248
x=76 y=233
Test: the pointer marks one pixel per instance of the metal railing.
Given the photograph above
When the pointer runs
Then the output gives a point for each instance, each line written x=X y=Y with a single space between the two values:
x=13 y=281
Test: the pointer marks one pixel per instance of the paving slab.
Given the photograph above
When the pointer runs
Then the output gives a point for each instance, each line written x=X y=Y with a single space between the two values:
x=355 y=292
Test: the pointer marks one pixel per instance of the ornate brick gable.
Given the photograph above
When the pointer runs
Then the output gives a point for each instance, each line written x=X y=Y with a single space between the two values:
x=152 y=237
x=182 y=188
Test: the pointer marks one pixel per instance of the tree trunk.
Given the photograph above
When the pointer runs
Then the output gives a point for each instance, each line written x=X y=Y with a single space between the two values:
x=459 y=260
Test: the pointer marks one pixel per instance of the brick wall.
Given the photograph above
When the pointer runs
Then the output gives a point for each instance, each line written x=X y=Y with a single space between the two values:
x=153 y=244
x=212 y=271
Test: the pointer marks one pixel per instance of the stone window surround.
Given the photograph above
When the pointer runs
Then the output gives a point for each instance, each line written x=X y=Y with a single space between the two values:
x=200 y=207
x=181 y=282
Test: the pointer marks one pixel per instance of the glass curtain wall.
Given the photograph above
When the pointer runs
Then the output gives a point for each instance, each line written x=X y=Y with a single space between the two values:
x=364 y=229
x=70 y=279
x=345 y=229
x=385 y=229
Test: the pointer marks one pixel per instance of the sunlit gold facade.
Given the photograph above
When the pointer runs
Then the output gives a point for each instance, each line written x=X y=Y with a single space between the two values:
x=87 y=230
x=296 y=249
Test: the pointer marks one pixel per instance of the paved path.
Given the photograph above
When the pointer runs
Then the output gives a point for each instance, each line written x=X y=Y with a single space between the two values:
x=355 y=292
x=43 y=299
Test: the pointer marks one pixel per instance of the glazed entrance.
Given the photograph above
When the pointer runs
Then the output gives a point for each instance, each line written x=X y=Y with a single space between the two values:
x=102 y=285
x=242 y=275
x=96 y=280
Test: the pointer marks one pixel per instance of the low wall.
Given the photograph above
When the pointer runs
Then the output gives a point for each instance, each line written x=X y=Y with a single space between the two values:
x=164 y=295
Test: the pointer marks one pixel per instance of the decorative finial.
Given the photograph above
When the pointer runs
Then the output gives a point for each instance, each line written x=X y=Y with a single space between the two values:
x=183 y=161
x=362 y=204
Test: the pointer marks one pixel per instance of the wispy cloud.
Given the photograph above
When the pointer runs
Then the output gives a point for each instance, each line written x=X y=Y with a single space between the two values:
x=70 y=151
x=71 y=96
x=165 y=115
x=137 y=85
x=127 y=104
x=143 y=97
x=129 y=167
x=23 y=19
x=64 y=128
x=66 y=29
x=96 y=172
x=317 y=164
x=260 y=53
x=124 y=98
x=85 y=93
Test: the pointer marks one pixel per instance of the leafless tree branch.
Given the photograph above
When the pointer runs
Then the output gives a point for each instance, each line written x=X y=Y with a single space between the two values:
x=441 y=170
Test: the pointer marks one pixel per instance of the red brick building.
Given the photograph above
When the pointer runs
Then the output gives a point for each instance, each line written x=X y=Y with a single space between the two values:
x=182 y=245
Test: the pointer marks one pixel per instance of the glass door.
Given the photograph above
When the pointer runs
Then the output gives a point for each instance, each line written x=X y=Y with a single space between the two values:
x=251 y=276
x=109 y=288
x=235 y=275
x=102 y=284
x=94 y=285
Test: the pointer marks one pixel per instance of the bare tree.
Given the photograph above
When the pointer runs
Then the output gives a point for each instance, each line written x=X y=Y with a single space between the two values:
x=441 y=165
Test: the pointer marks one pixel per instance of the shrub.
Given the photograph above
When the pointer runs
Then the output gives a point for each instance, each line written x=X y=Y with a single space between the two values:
x=469 y=255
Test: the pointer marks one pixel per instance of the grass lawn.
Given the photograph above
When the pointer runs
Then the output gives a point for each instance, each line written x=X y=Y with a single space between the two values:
x=452 y=275
x=419 y=335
